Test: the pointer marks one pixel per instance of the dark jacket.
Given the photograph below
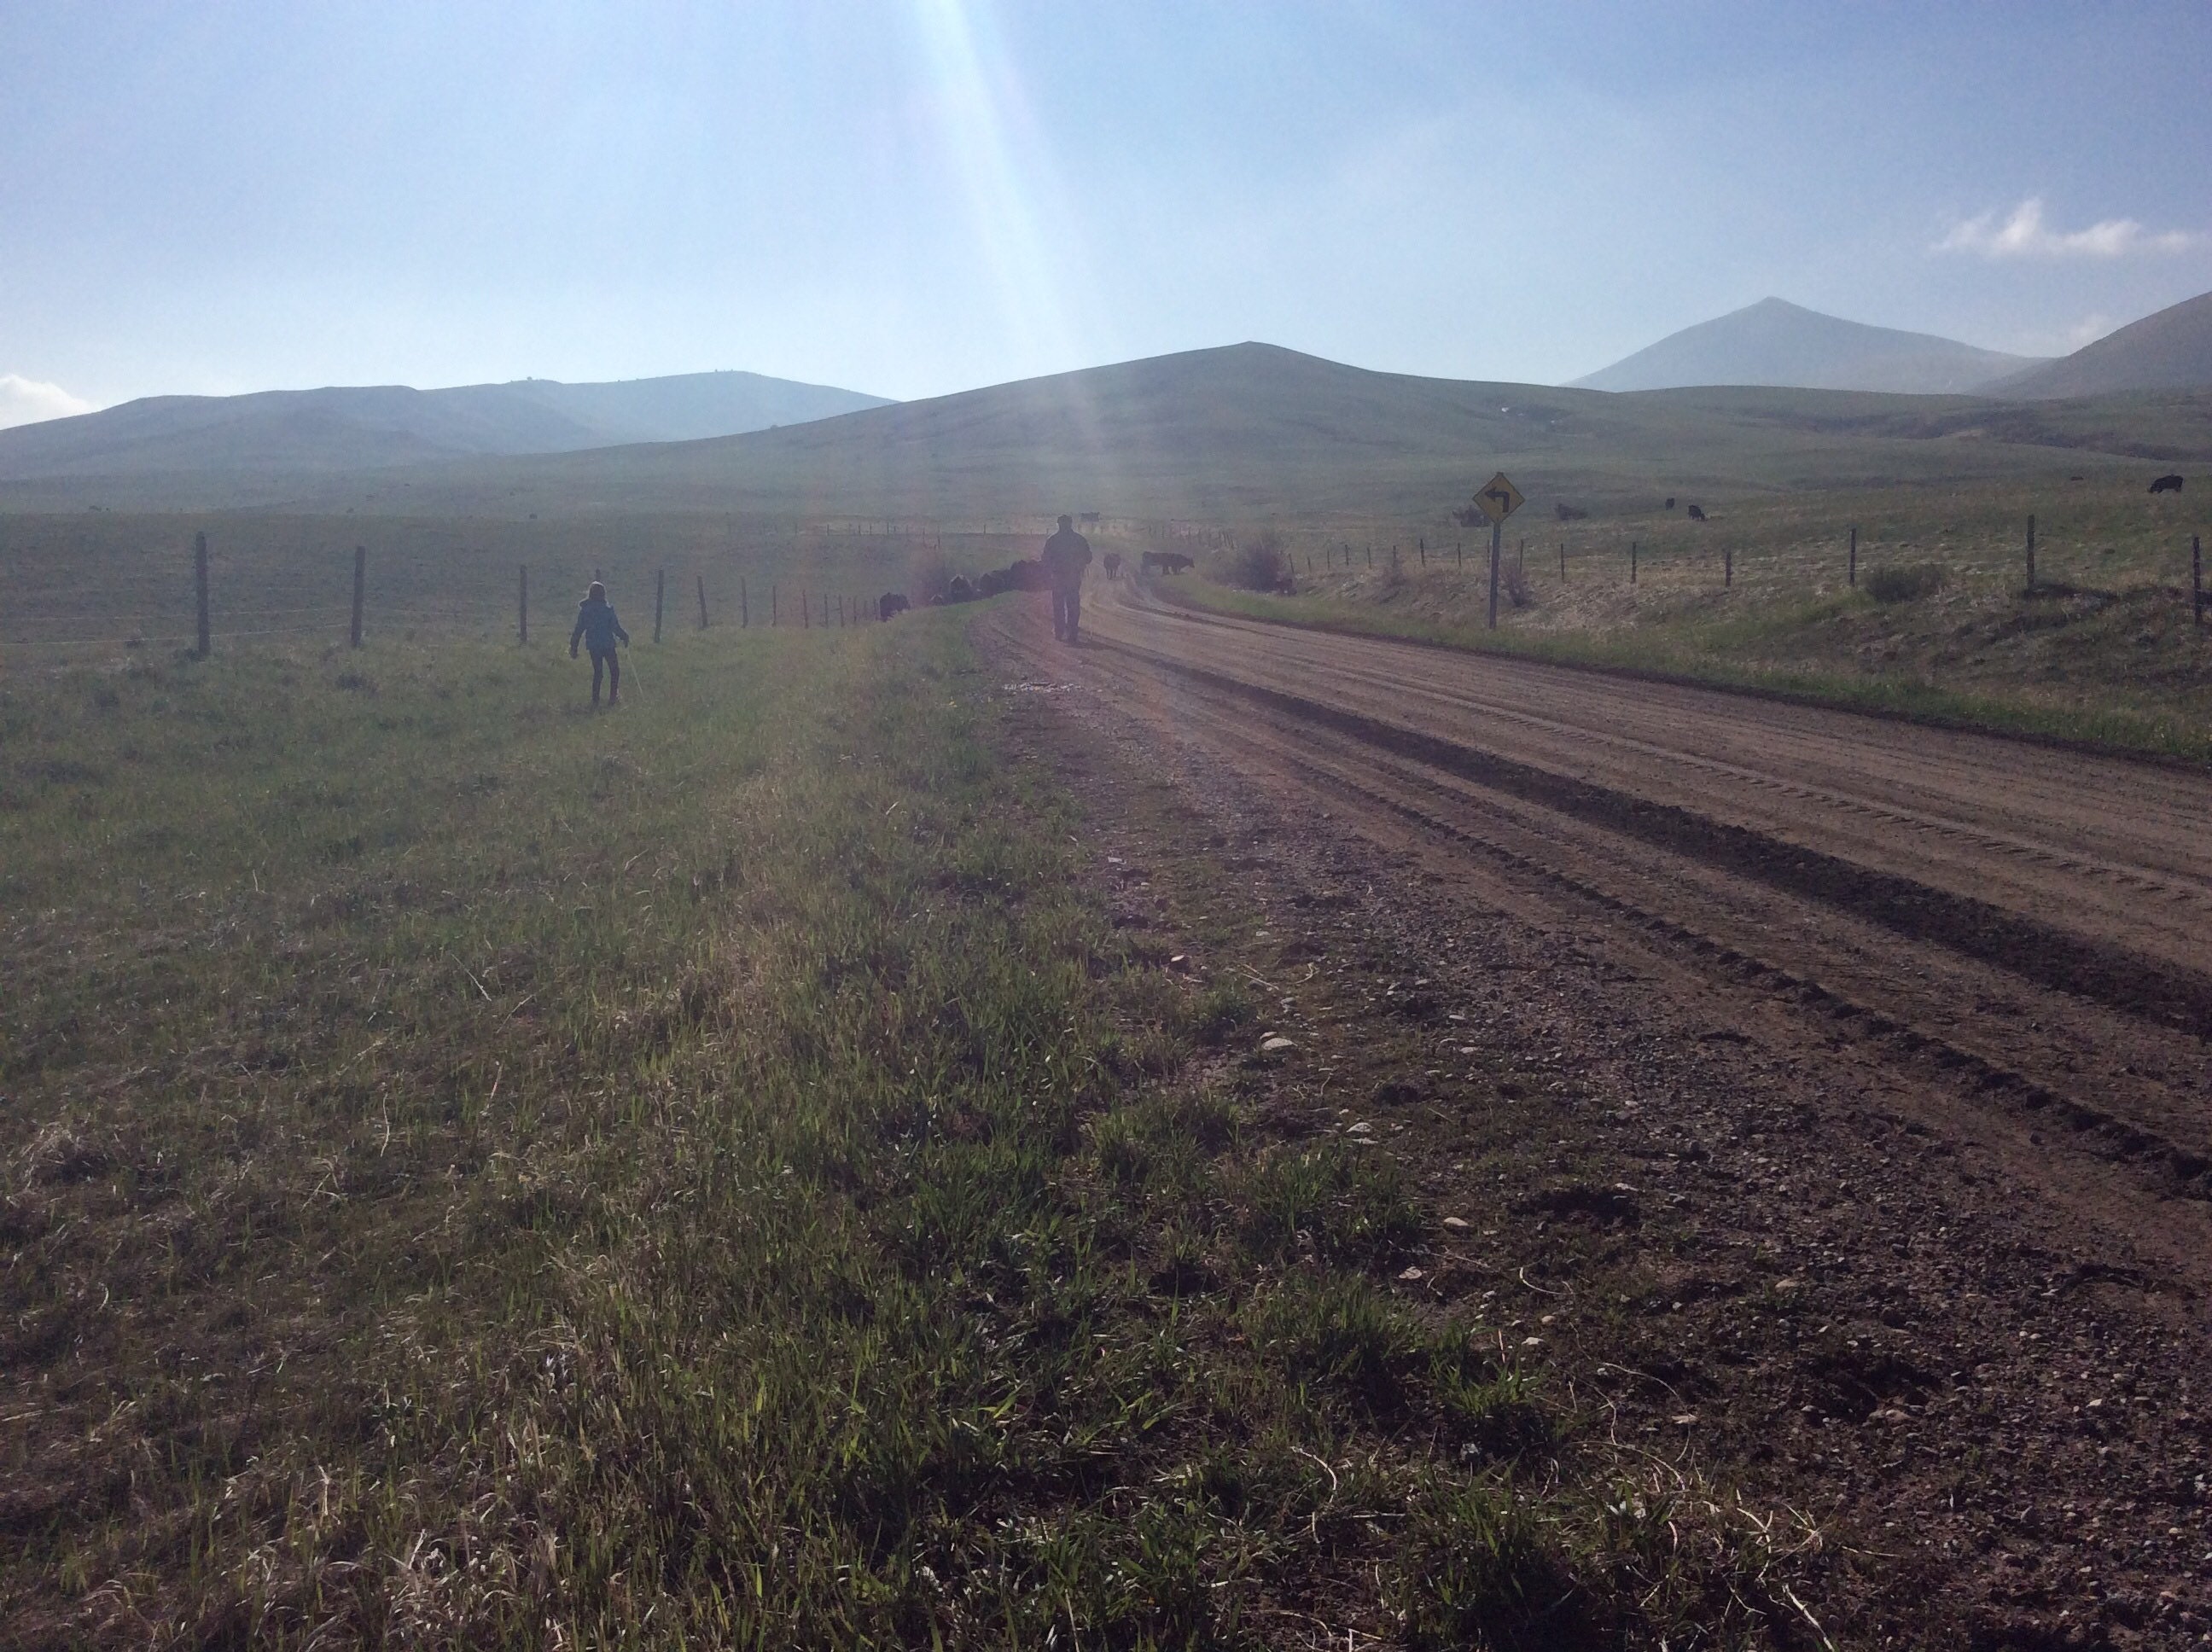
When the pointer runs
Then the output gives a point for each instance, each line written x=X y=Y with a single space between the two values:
x=596 y=625
x=1067 y=554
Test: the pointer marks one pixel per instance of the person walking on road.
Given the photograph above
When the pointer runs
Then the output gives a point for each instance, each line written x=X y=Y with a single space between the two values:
x=599 y=629
x=1067 y=554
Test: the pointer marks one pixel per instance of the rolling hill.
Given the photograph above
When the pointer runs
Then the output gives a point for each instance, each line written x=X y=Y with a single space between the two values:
x=1237 y=432
x=2168 y=349
x=369 y=427
x=1778 y=343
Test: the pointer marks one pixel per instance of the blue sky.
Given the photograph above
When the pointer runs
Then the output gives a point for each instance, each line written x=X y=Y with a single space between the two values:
x=916 y=196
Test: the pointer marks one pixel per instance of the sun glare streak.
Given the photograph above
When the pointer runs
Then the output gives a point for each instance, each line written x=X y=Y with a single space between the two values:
x=1029 y=236
x=979 y=100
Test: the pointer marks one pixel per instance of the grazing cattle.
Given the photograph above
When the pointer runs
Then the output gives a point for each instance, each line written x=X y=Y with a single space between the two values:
x=1565 y=513
x=1111 y=562
x=2166 y=484
x=1670 y=502
x=1166 y=562
x=1024 y=574
x=960 y=590
x=1697 y=512
x=891 y=603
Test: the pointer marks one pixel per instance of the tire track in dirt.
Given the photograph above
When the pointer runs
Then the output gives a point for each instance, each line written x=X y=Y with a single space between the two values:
x=1979 y=1342
x=2015 y=1014
x=1851 y=985
x=2078 y=838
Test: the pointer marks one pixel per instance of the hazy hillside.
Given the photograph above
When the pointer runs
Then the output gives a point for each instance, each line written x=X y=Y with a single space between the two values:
x=370 y=428
x=2170 y=350
x=1241 y=432
x=1252 y=428
x=687 y=407
x=1779 y=343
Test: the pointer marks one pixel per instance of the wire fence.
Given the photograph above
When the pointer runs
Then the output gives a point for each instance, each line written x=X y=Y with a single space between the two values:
x=191 y=613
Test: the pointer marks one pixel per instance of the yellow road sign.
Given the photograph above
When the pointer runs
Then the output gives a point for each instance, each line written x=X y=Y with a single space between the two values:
x=1498 y=498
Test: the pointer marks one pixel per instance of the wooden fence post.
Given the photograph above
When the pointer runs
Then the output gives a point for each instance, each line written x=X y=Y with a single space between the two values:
x=745 y=606
x=1497 y=543
x=1425 y=552
x=200 y=590
x=2196 y=579
x=659 y=599
x=805 y=613
x=522 y=604
x=2031 y=553
x=702 y=600
x=1563 y=561
x=772 y=619
x=1631 y=561
x=359 y=590
x=1854 y=575
x=1728 y=567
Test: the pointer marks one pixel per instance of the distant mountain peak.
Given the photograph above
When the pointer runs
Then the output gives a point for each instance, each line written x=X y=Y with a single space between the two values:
x=1778 y=343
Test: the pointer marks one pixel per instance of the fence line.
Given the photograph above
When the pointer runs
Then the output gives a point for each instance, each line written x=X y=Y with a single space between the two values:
x=848 y=609
x=356 y=617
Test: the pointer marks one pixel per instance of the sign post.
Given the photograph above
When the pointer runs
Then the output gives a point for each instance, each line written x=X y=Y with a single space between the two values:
x=1498 y=499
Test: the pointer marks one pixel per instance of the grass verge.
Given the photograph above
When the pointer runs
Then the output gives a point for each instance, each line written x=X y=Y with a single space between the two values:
x=485 y=1174
x=1749 y=653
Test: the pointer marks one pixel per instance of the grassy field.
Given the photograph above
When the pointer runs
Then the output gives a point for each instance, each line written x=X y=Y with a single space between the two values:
x=481 y=1172
x=1940 y=624
x=94 y=585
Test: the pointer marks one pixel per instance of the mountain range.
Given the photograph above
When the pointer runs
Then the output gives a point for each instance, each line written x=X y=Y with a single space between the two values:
x=293 y=432
x=1246 y=431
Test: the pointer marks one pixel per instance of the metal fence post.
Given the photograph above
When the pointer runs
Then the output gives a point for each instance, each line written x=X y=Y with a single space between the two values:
x=200 y=590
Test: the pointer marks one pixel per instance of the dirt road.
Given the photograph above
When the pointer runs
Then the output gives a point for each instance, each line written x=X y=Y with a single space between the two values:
x=1821 y=927
x=2042 y=917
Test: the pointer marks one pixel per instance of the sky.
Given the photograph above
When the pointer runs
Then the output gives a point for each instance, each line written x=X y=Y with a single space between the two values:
x=915 y=197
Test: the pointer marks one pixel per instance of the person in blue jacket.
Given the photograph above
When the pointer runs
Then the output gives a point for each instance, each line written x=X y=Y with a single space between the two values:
x=598 y=628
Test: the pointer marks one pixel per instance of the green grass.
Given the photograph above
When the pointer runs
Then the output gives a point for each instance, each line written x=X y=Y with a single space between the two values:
x=1938 y=628
x=107 y=578
x=484 y=1173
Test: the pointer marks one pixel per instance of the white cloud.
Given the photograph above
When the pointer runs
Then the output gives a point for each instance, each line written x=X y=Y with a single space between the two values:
x=2024 y=235
x=26 y=401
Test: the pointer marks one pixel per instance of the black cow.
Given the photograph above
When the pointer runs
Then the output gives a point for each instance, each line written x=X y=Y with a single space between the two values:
x=891 y=603
x=1697 y=512
x=1166 y=562
x=1670 y=502
x=1111 y=562
x=1022 y=575
x=2166 y=484
x=959 y=590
